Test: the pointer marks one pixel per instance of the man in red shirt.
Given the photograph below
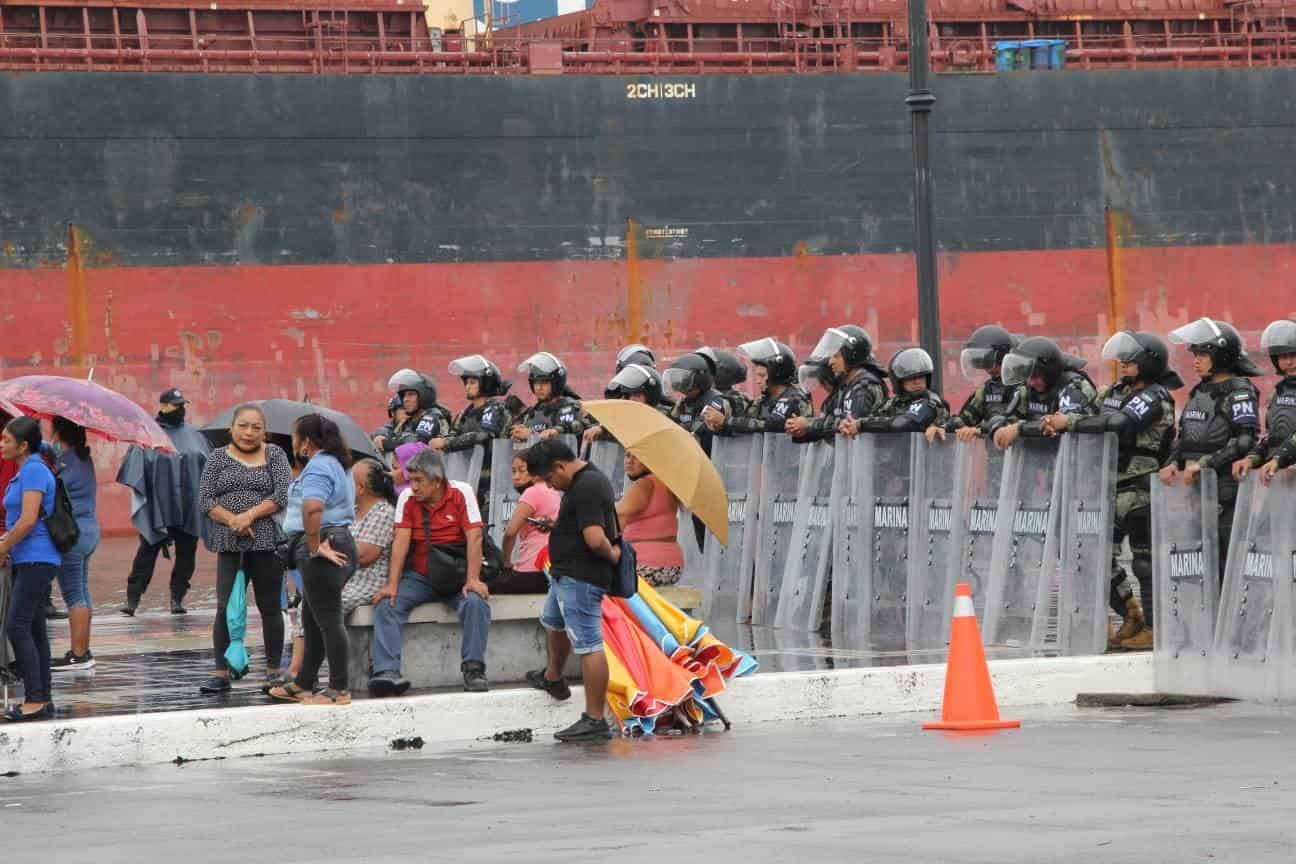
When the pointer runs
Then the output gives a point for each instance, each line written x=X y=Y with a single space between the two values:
x=436 y=557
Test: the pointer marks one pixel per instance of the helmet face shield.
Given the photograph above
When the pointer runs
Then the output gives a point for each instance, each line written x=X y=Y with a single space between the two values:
x=760 y=351
x=813 y=375
x=1203 y=331
x=1123 y=348
x=632 y=379
x=1017 y=369
x=681 y=381
x=1279 y=338
x=541 y=365
x=974 y=360
x=910 y=363
x=472 y=366
x=829 y=344
x=405 y=379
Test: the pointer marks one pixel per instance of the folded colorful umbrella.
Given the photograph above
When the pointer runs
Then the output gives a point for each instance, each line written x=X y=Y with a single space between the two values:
x=236 y=656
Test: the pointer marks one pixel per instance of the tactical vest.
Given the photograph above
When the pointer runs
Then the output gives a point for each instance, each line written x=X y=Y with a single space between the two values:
x=1039 y=405
x=1206 y=424
x=551 y=414
x=1280 y=415
x=1151 y=445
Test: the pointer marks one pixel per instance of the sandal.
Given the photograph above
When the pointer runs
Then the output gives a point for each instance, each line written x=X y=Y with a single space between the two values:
x=328 y=697
x=289 y=692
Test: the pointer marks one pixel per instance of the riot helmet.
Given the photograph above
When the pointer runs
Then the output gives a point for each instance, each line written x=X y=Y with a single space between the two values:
x=1220 y=340
x=853 y=342
x=638 y=354
x=1041 y=356
x=985 y=349
x=1148 y=352
x=910 y=363
x=543 y=366
x=777 y=358
x=1279 y=338
x=816 y=373
x=728 y=369
x=636 y=378
x=688 y=373
x=406 y=380
x=489 y=380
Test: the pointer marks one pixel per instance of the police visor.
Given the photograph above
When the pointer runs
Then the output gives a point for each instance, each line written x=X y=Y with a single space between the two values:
x=541 y=365
x=1123 y=348
x=1017 y=369
x=910 y=363
x=681 y=381
x=1203 y=331
x=974 y=360
x=1279 y=338
x=405 y=379
x=760 y=351
x=812 y=375
x=472 y=366
x=632 y=379
x=829 y=344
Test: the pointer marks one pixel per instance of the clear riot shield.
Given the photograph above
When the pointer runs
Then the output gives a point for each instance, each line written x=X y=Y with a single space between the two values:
x=609 y=457
x=780 y=464
x=870 y=569
x=465 y=465
x=936 y=538
x=805 y=576
x=502 y=498
x=727 y=569
x=981 y=464
x=1246 y=655
x=1282 y=503
x=1023 y=559
x=1088 y=463
x=1185 y=573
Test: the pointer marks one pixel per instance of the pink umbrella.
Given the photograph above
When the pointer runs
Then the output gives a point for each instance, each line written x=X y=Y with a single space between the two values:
x=104 y=412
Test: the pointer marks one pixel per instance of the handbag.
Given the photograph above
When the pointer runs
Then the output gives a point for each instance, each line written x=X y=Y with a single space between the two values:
x=625 y=579
x=60 y=523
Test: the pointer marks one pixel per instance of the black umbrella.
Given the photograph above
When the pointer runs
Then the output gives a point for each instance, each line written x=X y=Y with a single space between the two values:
x=281 y=414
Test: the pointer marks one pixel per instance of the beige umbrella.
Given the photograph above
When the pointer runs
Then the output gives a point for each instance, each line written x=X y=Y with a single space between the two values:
x=670 y=453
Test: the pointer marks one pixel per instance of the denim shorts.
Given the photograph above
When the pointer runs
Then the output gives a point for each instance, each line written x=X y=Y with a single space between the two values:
x=74 y=572
x=576 y=607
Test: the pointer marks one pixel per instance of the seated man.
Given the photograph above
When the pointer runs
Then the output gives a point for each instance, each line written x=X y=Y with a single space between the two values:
x=439 y=538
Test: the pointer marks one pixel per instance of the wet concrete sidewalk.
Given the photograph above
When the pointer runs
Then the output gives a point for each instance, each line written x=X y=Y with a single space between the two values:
x=156 y=661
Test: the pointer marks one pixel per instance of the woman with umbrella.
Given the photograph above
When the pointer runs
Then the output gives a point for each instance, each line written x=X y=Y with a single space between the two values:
x=649 y=516
x=243 y=485
x=28 y=546
x=73 y=465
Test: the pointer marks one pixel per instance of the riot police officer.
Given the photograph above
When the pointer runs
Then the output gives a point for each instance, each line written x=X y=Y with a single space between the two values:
x=1221 y=421
x=1279 y=340
x=915 y=407
x=1140 y=410
x=690 y=377
x=424 y=418
x=1056 y=386
x=638 y=384
x=484 y=419
x=775 y=370
x=729 y=372
x=556 y=410
x=636 y=354
x=984 y=353
x=858 y=385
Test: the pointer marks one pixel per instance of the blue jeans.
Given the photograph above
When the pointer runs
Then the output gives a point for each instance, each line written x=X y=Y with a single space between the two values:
x=414 y=590
x=26 y=629
x=74 y=574
x=577 y=608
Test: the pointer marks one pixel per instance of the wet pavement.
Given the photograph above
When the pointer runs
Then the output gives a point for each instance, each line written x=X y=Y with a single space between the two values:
x=1073 y=786
x=156 y=661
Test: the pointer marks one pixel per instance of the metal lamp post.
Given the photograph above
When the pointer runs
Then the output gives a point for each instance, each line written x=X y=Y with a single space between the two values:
x=920 y=101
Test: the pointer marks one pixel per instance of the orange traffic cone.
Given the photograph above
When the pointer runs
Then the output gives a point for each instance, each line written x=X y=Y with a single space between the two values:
x=969 y=696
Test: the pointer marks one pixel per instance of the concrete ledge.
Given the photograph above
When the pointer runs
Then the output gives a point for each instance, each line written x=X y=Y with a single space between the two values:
x=509 y=607
x=449 y=720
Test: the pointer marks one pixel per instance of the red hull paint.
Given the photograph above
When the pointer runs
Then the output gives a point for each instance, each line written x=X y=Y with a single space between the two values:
x=335 y=333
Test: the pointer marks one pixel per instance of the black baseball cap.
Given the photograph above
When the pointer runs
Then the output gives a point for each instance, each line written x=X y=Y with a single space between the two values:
x=172 y=397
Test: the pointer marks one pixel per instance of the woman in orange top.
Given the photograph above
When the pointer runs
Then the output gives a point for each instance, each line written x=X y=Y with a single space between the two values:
x=648 y=513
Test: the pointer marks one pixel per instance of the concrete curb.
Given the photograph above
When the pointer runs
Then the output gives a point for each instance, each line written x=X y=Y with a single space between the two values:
x=451 y=719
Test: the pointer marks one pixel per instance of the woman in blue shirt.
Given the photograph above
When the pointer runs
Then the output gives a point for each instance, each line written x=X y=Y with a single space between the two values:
x=26 y=543
x=326 y=556
x=75 y=468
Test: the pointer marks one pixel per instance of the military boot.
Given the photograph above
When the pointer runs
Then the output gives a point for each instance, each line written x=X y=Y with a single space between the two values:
x=1134 y=623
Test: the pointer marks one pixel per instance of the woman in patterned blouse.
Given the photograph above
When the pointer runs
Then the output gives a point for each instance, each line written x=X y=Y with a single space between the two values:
x=373 y=528
x=243 y=486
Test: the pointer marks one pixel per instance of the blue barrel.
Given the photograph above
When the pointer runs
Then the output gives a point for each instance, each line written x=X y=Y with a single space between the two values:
x=1005 y=55
x=1039 y=52
x=1057 y=53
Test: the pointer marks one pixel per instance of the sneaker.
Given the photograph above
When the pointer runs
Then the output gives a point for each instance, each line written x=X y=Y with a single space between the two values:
x=586 y=728
x=214 y=685
x=557 y=689
x=386 y=684
x=70 y=662
x=177 y=608
x=474 y=675
x=1140 y=641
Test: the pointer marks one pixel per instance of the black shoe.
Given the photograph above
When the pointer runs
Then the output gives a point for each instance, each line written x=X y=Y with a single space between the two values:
x=387 y=684
x=474 y=675
x=215 y=685
x=557 y=689
x=53 y=612
x=15 y=714
x=585 y=729
x=177 y=608
x=70 y=662
x=128 y=608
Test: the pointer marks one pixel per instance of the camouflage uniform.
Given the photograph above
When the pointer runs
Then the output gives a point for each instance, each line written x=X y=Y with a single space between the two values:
x=562 y=413
x=990 y=400
x=770 y=414
x=861 y=394
x=911 y=412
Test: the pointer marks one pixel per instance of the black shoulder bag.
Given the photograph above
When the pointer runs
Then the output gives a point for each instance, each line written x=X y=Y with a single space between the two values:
x=61 y=524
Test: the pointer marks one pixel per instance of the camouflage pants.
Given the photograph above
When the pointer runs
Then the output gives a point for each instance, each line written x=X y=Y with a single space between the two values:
x=1133 y=521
